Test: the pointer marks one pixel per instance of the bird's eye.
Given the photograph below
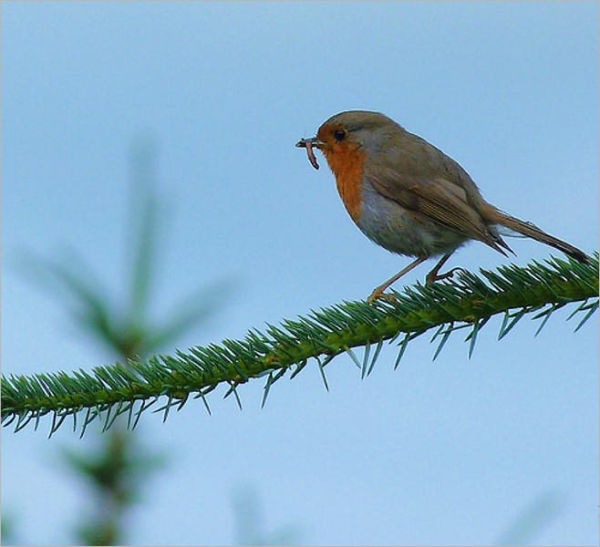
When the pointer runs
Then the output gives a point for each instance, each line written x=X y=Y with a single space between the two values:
x=339 y=134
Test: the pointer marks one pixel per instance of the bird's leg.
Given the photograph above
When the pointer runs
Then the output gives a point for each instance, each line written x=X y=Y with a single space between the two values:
x=433 y=274
x=378 y=291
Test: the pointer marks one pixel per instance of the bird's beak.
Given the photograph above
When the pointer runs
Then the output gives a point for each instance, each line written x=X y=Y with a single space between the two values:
x=313 y=141
x=309 y=144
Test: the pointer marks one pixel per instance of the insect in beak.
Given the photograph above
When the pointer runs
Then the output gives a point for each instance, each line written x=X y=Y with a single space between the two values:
x=308 y=144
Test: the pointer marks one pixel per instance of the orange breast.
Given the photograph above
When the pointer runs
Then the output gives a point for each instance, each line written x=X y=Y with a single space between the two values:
x=346 y=161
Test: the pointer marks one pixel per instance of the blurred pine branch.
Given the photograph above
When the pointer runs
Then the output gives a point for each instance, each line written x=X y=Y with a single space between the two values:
x=469 y=301
x=117 y=468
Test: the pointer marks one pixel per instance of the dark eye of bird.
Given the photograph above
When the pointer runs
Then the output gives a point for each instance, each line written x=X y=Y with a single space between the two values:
x=339 y=134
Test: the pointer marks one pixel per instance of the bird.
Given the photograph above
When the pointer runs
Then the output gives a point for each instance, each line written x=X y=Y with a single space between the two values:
x=409 y=197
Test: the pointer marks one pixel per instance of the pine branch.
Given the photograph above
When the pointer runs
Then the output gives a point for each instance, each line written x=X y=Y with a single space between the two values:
x=536 y=290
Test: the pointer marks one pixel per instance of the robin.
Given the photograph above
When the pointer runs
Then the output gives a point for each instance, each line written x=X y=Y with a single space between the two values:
x=409 y=197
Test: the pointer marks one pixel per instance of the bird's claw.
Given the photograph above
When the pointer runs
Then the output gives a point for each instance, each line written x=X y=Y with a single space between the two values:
x=431 y=279
x=376 y=294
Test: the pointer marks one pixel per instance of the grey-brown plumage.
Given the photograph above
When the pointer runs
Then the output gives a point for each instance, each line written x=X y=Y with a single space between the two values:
x=410 y=197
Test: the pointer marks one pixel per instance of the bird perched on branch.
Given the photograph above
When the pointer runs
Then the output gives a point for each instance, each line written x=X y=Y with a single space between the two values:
x=409 y=197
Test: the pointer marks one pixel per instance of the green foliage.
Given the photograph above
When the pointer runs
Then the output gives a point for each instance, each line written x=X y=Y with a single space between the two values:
x=118 y=467
x=468 y=302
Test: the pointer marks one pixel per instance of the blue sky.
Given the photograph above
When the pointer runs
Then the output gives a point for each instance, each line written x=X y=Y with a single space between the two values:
x=449 y=452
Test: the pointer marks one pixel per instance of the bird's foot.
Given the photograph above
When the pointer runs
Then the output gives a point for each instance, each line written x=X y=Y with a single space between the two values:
x=378 y=293
x=433 y=276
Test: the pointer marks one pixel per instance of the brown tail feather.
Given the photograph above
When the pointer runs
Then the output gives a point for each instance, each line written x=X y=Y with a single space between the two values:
x=531 y=230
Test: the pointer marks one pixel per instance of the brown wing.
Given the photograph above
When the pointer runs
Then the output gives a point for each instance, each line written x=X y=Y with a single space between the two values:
x=443 y=199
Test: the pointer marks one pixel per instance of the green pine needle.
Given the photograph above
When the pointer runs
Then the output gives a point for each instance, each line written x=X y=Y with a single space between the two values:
x=106 y=392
